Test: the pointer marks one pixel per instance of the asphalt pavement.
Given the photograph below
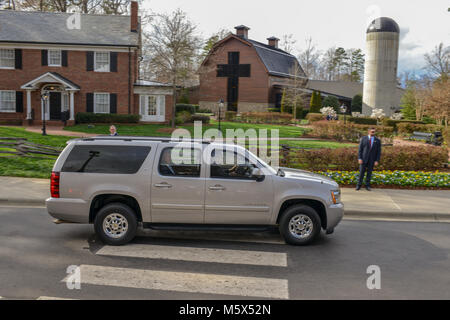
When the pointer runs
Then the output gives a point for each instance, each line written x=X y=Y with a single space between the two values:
x=413 y=259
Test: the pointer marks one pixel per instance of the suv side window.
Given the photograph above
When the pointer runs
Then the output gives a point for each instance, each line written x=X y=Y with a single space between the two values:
x=227 y=164
x=106 y=159
x=180 y=162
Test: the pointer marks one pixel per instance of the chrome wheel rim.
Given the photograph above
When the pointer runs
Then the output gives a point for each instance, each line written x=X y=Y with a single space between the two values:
x=115 y=225
x=301 y=226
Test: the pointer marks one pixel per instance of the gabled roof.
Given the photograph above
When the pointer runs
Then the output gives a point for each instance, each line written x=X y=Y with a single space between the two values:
x=51 y=28
x=50 y=77
x=277 y=62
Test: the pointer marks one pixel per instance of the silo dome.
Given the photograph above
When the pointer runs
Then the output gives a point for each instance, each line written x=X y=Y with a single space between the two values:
x=383 y=24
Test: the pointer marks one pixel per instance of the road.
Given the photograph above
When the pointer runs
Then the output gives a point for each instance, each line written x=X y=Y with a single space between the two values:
x=34 y=255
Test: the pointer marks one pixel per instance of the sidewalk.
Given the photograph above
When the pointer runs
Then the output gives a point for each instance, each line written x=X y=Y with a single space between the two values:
x=379 y=204
x=59 y=131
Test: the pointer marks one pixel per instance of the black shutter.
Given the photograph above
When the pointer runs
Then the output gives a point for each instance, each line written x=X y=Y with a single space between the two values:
x=18 y=57
x=89 y=102
x=64 y=62
x=19 y=101
x=113 y=61
x=44 y=57
x=90 y=60
x=113 y=103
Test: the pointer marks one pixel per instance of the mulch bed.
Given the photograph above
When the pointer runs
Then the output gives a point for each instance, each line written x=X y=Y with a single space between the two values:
x=396 y=187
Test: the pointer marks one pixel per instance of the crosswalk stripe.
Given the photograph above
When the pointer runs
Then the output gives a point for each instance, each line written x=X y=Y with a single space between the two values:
x=197 y=254
x=184 y=282
x=52 y=298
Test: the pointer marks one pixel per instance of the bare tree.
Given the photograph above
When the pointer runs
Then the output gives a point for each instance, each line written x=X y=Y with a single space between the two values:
x=309 y=58
x=294 y=91
x=288 y=43
x=437 y=62
x=173 y=45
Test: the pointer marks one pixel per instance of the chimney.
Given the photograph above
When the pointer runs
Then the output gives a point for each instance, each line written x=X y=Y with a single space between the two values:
x=134 y=16
x=242 y=31
x=273 y=42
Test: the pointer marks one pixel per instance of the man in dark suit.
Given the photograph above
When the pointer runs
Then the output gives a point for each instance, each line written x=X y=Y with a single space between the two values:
x=369 y=154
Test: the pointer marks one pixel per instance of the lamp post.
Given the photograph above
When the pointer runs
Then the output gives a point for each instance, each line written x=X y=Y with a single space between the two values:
x=344 y=111
x=44 y=98
x=220 y=109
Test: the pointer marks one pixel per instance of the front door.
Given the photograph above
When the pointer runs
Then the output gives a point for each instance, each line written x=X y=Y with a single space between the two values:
x=55 y=105
x=152 y=108
x=178 y=184
x=232 y=196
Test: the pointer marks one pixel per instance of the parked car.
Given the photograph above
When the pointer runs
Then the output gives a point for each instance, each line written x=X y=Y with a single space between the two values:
x=118 y=183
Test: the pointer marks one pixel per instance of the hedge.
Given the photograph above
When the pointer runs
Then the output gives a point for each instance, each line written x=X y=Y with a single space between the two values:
x=198 y=117
x=392 y=158
x=191 y=108
x=312 y=117
x=393 y=123
x=230 y=115
x=265 y=117
x=409 y=128
x=363 y=120
x=89 y=117
x=336 y=130
x=274 y=110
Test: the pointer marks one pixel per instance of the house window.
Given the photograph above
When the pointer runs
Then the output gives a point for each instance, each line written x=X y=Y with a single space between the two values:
x=7 y=101
x=65 y=102
x=101 y=103
x=7 y=58
x=101 y=62
x=152 y=106
x=54 y=58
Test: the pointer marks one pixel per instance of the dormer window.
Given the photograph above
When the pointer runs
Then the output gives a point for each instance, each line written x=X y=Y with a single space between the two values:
x=54 y=58
x=101 y=62
x=7 y=59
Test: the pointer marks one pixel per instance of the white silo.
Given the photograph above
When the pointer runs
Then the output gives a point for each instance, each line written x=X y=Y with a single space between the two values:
x=380 y=74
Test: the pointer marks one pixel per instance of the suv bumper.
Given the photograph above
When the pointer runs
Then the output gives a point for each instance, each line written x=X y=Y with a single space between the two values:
x=335 y=212
x=70 y=210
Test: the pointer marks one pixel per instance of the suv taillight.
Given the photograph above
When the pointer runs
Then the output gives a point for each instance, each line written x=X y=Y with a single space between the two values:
x=54 y=185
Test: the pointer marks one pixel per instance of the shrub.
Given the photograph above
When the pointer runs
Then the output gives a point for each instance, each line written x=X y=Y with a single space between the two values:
x=191 y=108
x=336 y=130
x=183 y=117
x=203 y=111
x=89 y=117
x=363 y=120
x=298 y=113
x=312 y=117
x=393 y=123
x=266 y=117
x=274 y=110
x=392 y=158
x=199 y=117
x=316 y=102
x=230 y=115
x=408 y=128
x=304 y=113
x=331 y=101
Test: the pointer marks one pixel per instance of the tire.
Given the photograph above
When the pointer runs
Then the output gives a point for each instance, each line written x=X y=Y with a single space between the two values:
x=121 y=222
x=308 y=221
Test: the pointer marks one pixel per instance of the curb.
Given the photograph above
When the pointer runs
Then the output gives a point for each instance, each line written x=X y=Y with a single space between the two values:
x=405 y=216
x=22 y=202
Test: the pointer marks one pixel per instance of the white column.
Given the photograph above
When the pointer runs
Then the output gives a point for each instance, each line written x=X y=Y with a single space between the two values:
x=28 y=104
x=71 y=107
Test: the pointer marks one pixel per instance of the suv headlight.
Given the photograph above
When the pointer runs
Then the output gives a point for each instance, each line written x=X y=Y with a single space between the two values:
x=336 y=196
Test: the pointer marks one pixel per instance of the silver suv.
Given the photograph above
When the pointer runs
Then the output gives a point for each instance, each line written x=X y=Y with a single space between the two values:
x=117 y=183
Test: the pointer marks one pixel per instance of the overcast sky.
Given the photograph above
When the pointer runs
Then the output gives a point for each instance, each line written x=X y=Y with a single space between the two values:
x=423 y=23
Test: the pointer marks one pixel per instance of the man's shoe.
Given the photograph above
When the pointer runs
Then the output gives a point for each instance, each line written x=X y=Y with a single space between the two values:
x=368 y=188
x=358 y=188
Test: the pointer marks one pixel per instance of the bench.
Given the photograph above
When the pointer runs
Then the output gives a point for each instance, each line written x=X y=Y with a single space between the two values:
x=432 y=138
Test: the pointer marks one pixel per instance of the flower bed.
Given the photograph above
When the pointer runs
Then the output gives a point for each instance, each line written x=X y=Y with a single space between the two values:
x=397 y=178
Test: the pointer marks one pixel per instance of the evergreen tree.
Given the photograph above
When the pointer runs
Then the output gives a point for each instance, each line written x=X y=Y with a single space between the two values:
x=357 y=103
x=283 y=101
x=408 y=102
x=331 y=101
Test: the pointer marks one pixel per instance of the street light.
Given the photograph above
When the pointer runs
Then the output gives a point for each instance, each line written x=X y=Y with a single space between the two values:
x=44 y=98
x=344 y=111
x=220 y=109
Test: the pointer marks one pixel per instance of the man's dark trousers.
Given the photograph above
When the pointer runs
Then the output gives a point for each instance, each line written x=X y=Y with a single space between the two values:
x=369 y=154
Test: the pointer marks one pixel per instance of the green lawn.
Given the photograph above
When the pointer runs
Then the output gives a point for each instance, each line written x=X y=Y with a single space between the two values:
x=152 y=129
x=54 y=141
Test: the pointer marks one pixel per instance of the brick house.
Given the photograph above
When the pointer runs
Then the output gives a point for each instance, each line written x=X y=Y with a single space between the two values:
x=248 y=75
x=48 y=63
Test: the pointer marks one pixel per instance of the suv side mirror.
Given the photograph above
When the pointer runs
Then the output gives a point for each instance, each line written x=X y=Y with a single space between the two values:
x=258 y=174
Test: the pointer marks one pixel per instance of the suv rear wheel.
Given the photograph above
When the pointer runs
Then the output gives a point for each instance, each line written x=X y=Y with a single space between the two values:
x=116 y=224
x=300 y=225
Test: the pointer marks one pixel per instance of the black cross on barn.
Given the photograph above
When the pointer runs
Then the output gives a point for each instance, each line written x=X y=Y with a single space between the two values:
x=233 y=71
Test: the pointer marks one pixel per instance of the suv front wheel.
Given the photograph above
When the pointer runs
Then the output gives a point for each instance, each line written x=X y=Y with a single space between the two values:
x=116 y=224
x=300 y=225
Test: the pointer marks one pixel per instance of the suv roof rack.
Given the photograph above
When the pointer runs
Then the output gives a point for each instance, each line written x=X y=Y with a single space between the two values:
x=134 y=138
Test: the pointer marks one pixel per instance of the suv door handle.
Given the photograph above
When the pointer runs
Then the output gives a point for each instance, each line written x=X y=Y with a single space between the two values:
x=217 y=187
x=163 y=185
